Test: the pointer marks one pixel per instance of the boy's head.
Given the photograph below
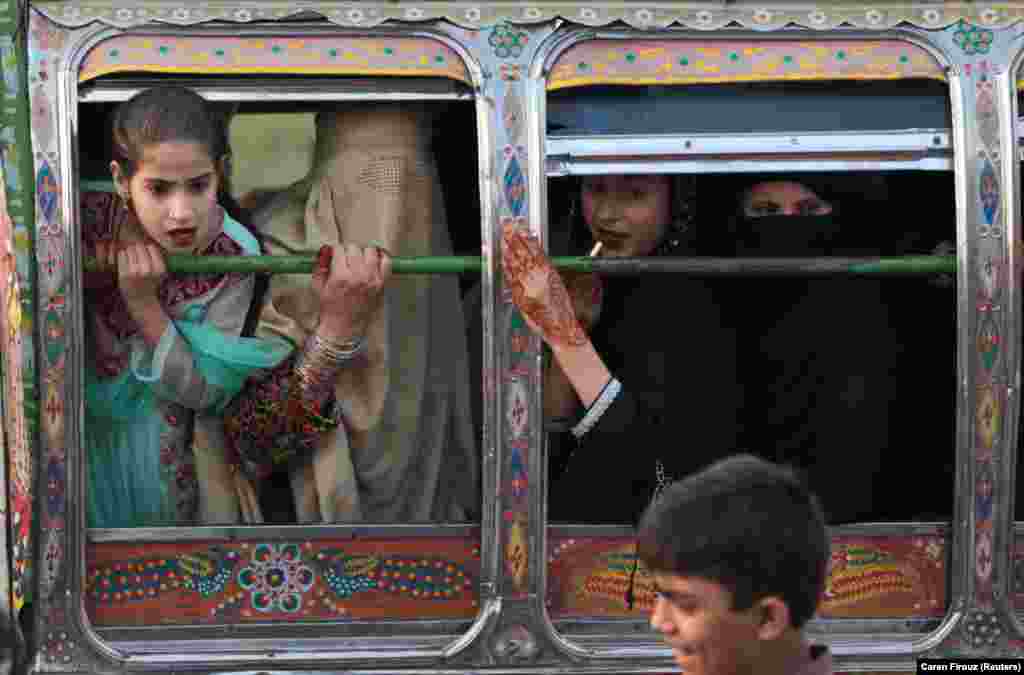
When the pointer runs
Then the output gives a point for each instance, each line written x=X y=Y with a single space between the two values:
x=739 y=553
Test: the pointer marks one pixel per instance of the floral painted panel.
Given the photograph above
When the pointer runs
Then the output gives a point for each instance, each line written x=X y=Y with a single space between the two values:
x=868 y=577
x=241 y=582
x=644 y=62
x=309 y=55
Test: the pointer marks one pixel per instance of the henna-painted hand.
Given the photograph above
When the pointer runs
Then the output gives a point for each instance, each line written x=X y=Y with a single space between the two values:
x=561 y=403
x=538 y=291
x=348 y=280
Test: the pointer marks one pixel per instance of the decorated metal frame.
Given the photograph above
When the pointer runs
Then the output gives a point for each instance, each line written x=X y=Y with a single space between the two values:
x=511 y=593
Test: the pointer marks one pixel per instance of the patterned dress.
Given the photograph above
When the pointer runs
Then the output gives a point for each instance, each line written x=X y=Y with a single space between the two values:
x=155 y=446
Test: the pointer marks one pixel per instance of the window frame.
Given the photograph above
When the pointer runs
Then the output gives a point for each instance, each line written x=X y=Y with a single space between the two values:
x=857 y=639
x=343 y=643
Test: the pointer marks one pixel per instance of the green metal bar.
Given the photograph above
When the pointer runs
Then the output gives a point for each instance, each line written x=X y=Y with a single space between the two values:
x=800 y=267
x=302 y=264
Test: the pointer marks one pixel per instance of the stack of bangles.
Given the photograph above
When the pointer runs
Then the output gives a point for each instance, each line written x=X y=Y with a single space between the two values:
x=604 y=400
x=320 y=361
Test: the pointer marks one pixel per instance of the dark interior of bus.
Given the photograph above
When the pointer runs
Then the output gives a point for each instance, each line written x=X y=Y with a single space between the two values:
x=880 y=154
x=886 y=214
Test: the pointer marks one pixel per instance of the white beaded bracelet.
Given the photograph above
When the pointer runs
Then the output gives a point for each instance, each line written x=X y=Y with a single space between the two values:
x=597 y=408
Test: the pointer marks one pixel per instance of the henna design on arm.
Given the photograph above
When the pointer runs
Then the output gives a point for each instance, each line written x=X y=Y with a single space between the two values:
x=559 y=319
x=538 y=290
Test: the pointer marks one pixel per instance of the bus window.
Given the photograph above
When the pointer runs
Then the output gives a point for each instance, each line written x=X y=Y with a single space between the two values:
x=302 y=176
x=1018 y=508
x=827 y=374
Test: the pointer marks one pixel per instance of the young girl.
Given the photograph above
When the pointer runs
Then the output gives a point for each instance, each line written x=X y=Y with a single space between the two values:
x=165 y=351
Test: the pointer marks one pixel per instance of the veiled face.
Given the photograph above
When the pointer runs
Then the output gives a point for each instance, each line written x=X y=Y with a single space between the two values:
x=629 y=214
x=783 y=198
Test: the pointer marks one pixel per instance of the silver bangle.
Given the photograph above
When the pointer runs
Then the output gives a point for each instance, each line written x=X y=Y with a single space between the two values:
x=598 y=408
x=334 y=352
x=319 y=363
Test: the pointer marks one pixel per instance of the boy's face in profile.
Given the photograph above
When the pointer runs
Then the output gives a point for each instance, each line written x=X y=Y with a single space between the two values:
x=706 y=635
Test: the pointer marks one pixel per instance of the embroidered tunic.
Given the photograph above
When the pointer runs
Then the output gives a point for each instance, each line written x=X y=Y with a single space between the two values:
x=155 y=446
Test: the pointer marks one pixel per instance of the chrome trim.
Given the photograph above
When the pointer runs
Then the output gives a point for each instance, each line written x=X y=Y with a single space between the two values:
x=921 y=142
x=199 y=637
x=67 y=144
x=875 y=529
x=490 y=547
x=913 y=149
x=311 y=89
x=557 y=169
x=260 y=533
x=1011 y=195
x=961 y=580
x=897 y=628
x=490 y=612
x=536 y=114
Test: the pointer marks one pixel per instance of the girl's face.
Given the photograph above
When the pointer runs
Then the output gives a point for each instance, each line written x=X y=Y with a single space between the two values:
x=174 y=195
x=629 y=214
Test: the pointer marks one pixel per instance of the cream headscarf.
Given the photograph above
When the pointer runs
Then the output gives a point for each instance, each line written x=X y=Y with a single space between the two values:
x=407 y=450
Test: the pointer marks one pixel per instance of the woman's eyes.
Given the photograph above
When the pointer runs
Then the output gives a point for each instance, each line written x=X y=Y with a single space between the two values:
x=808 y=209
x=163 y=189
x=636 y=194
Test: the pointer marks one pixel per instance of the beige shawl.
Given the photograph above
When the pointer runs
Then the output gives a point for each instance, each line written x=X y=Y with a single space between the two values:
x=407 y=450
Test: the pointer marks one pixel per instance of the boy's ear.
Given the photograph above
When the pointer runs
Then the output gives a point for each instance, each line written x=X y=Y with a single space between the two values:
x=774 y=617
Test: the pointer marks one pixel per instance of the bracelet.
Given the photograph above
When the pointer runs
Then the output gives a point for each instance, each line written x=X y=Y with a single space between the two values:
x=598 y=407
x=333 y=351
x=314 y=377
x=319 y=362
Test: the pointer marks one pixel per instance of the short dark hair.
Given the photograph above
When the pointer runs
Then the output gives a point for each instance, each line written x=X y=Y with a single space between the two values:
x=162 y=114
x=745 y=523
